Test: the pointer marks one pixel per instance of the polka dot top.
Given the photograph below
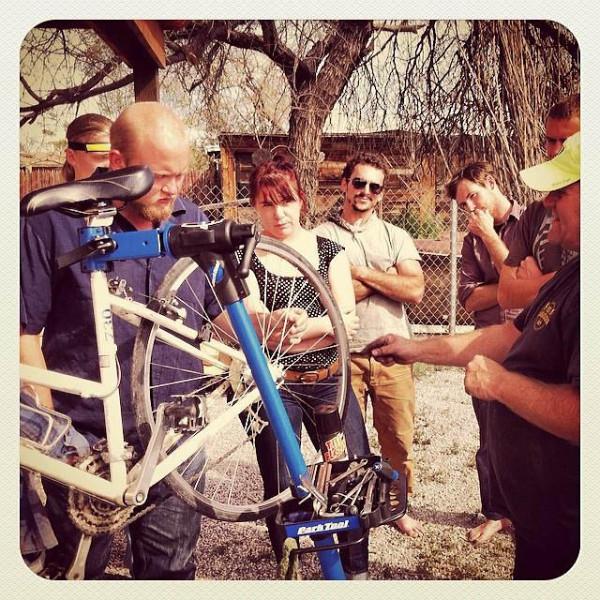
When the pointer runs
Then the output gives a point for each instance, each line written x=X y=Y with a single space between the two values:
x=276 y=291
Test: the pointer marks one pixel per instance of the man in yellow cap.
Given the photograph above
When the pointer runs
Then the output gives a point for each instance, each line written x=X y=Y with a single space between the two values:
x=529 y=370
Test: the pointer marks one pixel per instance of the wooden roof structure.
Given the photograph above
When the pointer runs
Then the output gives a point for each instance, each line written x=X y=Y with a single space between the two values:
x=139 y=43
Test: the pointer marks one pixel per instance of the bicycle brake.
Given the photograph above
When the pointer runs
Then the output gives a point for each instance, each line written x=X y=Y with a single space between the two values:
x=118 y=287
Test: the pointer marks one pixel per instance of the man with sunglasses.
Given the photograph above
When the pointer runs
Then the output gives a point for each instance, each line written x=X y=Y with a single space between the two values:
x=386 y=275
x=492 y=223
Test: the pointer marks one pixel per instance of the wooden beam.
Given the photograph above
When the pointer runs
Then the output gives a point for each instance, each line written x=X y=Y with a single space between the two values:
x=136 y=42
x=151 y=37
x=141 y=45
x=146 y=85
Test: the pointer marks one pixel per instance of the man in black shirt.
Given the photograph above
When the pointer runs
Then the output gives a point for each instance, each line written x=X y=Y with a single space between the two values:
x=529 y=370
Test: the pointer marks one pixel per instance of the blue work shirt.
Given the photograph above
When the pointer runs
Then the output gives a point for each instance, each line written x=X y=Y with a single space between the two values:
x=59 y=302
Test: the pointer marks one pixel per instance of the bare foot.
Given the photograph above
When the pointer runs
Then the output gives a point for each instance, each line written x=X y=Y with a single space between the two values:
x=408 y=526
x=484 y=532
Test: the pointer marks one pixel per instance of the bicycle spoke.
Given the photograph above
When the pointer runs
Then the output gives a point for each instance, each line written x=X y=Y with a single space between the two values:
x=222 y=477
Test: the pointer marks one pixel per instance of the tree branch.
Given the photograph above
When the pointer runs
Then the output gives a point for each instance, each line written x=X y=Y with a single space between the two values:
x=549 y=31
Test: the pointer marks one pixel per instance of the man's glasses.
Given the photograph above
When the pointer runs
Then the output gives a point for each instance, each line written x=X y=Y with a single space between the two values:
x=360 y=184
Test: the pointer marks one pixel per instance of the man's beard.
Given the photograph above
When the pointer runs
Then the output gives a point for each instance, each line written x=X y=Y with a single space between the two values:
x=154 y=213
x=358 y=208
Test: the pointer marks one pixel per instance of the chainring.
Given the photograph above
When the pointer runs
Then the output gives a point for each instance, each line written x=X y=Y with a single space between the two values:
x=94 y=516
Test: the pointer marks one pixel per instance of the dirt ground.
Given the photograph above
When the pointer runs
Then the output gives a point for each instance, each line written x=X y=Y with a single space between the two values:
x=446 y=500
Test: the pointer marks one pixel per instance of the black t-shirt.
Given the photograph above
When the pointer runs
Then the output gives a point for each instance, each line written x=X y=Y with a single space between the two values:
x=537 y=471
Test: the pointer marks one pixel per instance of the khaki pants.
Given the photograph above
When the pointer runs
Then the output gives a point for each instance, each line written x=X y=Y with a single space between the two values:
x=392 y=394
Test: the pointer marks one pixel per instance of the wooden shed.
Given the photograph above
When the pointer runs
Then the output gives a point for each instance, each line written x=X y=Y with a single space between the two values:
x=408 y=181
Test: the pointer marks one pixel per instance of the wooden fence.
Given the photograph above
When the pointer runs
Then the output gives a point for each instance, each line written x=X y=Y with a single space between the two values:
x=38 y=177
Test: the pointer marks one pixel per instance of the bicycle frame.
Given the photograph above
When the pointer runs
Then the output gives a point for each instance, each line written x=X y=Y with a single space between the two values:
x=122 y=488
x=104 y=305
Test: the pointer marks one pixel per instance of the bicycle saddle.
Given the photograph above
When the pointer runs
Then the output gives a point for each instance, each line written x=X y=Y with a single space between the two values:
x=125 y=184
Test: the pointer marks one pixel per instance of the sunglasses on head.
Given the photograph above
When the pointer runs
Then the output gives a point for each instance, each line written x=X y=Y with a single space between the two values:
x=90 y=147
x=360 y=184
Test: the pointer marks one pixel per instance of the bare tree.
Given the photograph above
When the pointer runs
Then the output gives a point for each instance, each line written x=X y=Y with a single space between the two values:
x=476 y=88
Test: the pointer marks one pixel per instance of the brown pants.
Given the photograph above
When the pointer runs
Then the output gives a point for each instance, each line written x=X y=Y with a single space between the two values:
x=392 y=394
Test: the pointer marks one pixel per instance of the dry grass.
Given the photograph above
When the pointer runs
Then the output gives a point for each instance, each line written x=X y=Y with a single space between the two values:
x=446 y=500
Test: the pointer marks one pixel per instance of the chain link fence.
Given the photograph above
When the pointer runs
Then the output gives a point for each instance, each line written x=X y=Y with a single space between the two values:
x=431 y=228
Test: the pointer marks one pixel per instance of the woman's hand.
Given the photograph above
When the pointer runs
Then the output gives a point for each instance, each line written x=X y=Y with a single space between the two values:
x=351 y=323
x=286 y=327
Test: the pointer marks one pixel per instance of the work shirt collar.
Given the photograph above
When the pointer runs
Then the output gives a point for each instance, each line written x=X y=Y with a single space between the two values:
x=360 y=225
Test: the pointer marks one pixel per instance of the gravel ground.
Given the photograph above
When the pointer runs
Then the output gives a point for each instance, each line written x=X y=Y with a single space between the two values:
x=446 y=500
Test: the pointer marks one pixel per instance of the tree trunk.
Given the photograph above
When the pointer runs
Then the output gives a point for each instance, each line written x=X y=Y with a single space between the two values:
x=313 y=99
x=306 y=127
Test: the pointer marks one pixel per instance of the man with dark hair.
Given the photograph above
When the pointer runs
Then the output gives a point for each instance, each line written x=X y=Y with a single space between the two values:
x=528 y=369
x=386 y=275
x=533 y=260
x=59 y=301
x=492 y=222
x=562 y=121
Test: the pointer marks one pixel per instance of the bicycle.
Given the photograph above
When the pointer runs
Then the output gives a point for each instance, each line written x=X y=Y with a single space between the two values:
x=198 y=432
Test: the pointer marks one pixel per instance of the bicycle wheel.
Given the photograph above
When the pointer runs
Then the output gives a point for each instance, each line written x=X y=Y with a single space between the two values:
x=223 y=480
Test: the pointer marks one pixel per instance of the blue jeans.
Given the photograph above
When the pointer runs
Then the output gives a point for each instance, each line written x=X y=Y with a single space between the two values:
x=36 y=532
x=300 y=402
x=163 y=541
x=492 y=503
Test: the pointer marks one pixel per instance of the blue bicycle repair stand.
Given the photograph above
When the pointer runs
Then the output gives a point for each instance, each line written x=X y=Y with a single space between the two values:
x=279 y=421
x=99 y=247
x=298 y=514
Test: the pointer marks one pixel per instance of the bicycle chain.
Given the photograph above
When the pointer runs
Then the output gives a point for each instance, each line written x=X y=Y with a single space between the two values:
x=93 y=516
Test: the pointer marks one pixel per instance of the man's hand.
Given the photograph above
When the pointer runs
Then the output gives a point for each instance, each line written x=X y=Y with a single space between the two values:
x=287 y=324
x=482 y=377
x=390 y=349
x=481 y=223
x=361 y=291
x=529 y=269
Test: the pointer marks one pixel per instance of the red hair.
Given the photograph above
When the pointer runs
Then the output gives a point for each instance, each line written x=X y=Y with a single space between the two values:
x=278 y=181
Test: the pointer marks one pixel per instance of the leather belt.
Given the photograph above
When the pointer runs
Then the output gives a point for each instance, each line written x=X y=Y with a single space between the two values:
x=312 y=376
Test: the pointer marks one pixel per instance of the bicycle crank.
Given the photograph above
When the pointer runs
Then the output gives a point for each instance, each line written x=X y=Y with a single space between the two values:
x=93 y=516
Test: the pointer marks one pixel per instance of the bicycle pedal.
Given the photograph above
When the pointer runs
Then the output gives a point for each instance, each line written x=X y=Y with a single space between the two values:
x=184 y=414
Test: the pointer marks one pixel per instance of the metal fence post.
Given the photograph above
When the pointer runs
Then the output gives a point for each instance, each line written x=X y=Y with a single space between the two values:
x=453 y=264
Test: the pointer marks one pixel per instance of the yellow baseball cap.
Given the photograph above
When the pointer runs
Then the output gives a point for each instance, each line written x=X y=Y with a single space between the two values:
x=561 y=171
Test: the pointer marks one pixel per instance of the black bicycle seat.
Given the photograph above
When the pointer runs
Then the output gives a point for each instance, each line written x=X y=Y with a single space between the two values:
x=125 y=184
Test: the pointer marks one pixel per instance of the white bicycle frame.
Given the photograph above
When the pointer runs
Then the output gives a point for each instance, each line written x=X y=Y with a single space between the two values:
x=106 y=390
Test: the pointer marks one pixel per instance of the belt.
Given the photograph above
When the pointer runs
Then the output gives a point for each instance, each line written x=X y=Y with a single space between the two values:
x=312 y=376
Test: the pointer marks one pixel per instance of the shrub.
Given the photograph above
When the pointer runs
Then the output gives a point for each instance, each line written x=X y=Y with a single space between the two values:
x=424 y=227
